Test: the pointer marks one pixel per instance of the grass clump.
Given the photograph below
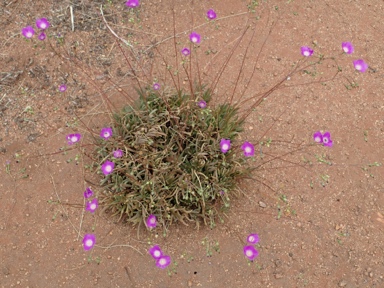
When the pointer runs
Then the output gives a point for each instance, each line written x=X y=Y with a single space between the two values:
x=172 y=165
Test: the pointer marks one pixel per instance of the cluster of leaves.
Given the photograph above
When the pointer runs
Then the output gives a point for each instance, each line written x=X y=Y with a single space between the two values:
x=172 y=165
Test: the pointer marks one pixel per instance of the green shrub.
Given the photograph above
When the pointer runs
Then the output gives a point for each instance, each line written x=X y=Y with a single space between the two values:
x=172 y=165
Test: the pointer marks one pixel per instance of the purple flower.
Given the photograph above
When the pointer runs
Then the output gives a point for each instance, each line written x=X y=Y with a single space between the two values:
x=106 y=133
x=156 y=86
x=28 y=32
x=306 y=51
x=253 y=238
x=360 y=65
x=88 y=192
x=42 y=23
x=156 y=252
x=225 y=145
x=73 y=138
x=62 y=88
x=92 y=206
x=118 y=153
x=42 y=36
x=248 y=149
x=202 y=104
x=89 y=241
x=107 y=167
x=132 y=3
x=211 y=14
x=185 y=51
x=250 y=252
x=194 y=37
x=163 y=262
x=325 y=138
x=347 y=47
x=318 y=137
x=151 y=221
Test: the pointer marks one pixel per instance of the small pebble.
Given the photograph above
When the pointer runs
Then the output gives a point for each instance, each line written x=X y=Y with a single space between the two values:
x=262 y=204
x=278 y=276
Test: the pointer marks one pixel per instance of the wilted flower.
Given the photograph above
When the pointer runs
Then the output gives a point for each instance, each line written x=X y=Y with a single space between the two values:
x=62 y=88
x=163 y=262
x=42 y=23
x=202 y=104
x=253 y=238
x=194 y=37
x=73 y=138
x=42 y=36
x=106 y=133
x=151 y=221
x=248 y=149
x=347 y=47
x=89 y=241
x=92 y=206
x=132 y=3
x=28 y=32
x=185 y=51
x=156 y=252
x=250 y=252
x=306 y=51
x=107 y=167
x=156 y=86
x=225 y=145
x=118 y=153
x=88 y=192
x=360 y=65
x=211 y=14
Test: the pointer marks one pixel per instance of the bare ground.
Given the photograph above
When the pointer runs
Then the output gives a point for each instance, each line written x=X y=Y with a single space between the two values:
x=320 y=226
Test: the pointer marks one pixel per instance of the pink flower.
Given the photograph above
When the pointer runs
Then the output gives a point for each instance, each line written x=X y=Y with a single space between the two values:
x=225 y=145
x=42 y=36
x=156 y=86
x=163 y=262
x=28 y=32
x=347 y=47
x=253 y=238
x=202 y=104
x=151 y=221
x=62 y=88
x=318 y=137
x=92 y=206
x=118 y=153
x=306 y=51
x=325 y=138
x=132 y=3
x=156 y=252
x=73 y=138
x=88 y=192
x=42 y=23
x=185 y=51
x=107 y=167
x=195 y=38
x=106 y=133
x=250 y=252
x=89 y=241
x=211 y=14
x=360 y=65
x=248 y=148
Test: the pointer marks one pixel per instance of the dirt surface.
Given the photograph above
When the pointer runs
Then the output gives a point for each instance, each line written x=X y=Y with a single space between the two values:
x=320 y=225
